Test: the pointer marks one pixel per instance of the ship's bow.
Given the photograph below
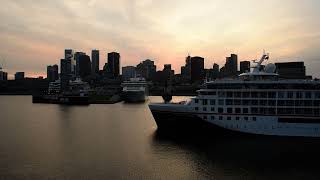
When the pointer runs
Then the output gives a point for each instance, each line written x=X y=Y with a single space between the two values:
x=174 y=116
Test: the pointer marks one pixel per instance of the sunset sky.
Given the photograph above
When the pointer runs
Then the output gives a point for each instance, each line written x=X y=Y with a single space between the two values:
x=34 y=34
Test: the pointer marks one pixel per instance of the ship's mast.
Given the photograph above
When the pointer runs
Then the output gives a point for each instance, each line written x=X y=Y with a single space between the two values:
x=264 y=57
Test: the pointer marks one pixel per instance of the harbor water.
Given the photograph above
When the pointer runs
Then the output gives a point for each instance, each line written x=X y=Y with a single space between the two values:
x=121 y=141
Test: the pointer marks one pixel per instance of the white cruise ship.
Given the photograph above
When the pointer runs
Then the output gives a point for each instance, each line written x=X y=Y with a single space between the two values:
x=258 y=102
x=135 y=90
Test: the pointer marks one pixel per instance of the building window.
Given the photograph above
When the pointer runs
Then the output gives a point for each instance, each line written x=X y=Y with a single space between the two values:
x=220 y=118
x=290 y=94
x=221 y=94
x=308 y=95
x=229 y=110
x=271 y=94
x=237 y=118
x=229 y=94
x=212 y=117
x=254 y=94
x=246 y=118
x=299 y=95
x=255 y=102
x=237 y=102
x=220 y=110
x=196 y=101
x=212 y=102
x=204 y=109
x=212 y=109
x=196 y=108
x=245 y=94
x=228 y=118
x=254 y=110
x=205 y=117
x=280 y=94
x=245 y=110
x=204 y=102
x=237 y=94
x=229 y=102
x=238 y=110
x=221 y=102
x=254 y=118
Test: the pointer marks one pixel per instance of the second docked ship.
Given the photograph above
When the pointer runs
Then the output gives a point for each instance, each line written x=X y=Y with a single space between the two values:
x=135 y=90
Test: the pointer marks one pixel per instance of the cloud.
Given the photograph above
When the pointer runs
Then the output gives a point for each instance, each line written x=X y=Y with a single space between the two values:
x=36 y=33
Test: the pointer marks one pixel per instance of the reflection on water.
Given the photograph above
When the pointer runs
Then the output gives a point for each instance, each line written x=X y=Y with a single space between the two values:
x=246 y=156
x=121 y=141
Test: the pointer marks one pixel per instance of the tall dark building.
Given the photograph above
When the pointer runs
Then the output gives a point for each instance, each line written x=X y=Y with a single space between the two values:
x=65 y=73
x=3 y=75
x=146 y=69
x=114 y=64
x=215 y=71
x=291 y=70
x=197 y=69
x=212 y=74
x=231 y=66
x=244 y=66
x=19 y=76
x=186 y=70
x=69 y=55
x=52 y=72
x=168 y=73
x=95 y=61
x=128 y=72
x=84 y=66
x=77 y=59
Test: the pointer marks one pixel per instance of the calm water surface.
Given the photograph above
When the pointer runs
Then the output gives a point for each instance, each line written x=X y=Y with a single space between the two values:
x=121 y=141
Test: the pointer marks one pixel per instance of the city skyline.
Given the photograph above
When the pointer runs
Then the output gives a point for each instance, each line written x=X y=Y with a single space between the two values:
x=141 y=30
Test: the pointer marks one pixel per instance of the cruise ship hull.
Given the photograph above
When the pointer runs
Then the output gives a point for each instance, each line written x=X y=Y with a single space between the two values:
x=134 y=96
x=180 y=118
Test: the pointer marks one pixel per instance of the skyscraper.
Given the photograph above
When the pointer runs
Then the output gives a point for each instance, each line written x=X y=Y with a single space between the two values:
x=65 y=73
x=291 y=70
x=244 y=66
x=114 y=64
x=146 y=69
x=186 y=70
x=52 y=72
x=84 y=66
x=69 y=55
x=197 y=68
x=128 y=72
x=95 y=61
x=77 y=59
x=231 y=66
x=19 y=76
x=215 y=70
x=168 y=72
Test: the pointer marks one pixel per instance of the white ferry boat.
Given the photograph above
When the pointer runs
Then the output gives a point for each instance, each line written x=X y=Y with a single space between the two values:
x=256 y=103
x=135 y=90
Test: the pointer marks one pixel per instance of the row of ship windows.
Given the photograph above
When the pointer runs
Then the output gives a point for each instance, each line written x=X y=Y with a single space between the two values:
x=290 y=94
x=221 y=110
x=222 y=102
x=266 y=111
x=229 y=118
